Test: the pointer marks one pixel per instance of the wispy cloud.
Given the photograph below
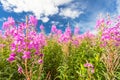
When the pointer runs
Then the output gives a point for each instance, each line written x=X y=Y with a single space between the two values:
x=55 y=22
x=3 y=19
x=118 y=6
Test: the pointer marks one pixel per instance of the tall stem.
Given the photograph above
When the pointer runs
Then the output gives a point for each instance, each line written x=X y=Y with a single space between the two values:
x=26 y=68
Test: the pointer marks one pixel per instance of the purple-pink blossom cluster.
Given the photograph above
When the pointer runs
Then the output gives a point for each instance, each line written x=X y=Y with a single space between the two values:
x=10 y=22
x=89 y=66
x=24 y=37
x=11 y=57
x=66 y=36
x=111 y=34
x=24 y=40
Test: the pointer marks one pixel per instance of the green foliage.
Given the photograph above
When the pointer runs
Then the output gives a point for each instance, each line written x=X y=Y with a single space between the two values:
x=58 y=66
x=7 y=71
x=53 y=59
x=73 y=66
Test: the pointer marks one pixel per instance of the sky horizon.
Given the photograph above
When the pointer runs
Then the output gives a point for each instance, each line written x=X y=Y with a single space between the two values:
x=81 y=13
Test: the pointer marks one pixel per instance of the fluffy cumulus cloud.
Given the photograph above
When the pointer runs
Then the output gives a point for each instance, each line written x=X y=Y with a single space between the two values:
x=69 y=12
x=42 y=9
x=73 y=10
x=45 y=19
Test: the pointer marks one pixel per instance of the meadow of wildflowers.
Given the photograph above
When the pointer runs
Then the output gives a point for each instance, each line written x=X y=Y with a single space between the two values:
x=26 y=54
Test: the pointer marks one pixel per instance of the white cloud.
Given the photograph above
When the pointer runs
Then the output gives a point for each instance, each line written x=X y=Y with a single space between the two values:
x=39 y=8
x=3 y=19
x=61 y=25
x=55 y=22
x=71 y=13
x=45 y=19
x=118 y=6
x=61 y=2
x=22 y=19
x=95 y=32
x=73 y=10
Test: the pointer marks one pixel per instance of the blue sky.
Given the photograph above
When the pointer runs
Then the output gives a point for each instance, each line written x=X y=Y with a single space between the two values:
x=82 y=13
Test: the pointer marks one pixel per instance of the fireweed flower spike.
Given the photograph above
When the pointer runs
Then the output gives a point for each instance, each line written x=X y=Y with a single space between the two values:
x=33 y=21
x=100 y=23
x=40 y=61
x=20 y=70
x=41 y=27
x=24 y=47
x=111 y=33
x=9 y=23
x=59 y=32
x=76 y=31
x=75 y=42
x=53 y=29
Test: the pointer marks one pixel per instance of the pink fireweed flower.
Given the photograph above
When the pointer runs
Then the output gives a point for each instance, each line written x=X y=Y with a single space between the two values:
x=76 y=30
x=20 y=70
x=92 y=70
x=68 y=31
x=13 y=54
x=88 y=65
x=40 y=40
x=5 y=25
x=53 y=29
x=62 y=38
x=59 y=32
x=66 y=36
x=22 y=26
x=0 y=31
x=41 y=27
x=41 y=54
x=26 y=55
x=103 y=44
x=99 y=23
x=81 y=37
x=37 y=52
x=10 y=22
x=75 y=42
x=40 y=61
x=19 y=50
x=11 y=58
x=12 y=47
x=33 y=21
x=2 y=45
x=109 y=22
x=88 y=34
x=112 y=33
